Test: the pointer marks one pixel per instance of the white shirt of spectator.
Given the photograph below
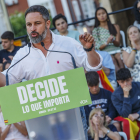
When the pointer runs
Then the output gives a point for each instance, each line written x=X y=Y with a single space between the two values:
x=13 y=133
x=36 y=65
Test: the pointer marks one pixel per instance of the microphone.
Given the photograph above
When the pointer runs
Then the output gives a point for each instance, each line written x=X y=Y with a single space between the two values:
x=7 y=78
x=72 y=58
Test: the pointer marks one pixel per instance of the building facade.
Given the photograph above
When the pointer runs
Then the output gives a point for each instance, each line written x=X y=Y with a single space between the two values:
x=74 y=10
x=4 y=20
x=16 y=5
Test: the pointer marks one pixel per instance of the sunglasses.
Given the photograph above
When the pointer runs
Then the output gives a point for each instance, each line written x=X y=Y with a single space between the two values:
x=138 y=8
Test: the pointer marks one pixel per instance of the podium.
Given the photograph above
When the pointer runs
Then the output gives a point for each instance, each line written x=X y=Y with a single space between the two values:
x=51 y=105
x=66 y=125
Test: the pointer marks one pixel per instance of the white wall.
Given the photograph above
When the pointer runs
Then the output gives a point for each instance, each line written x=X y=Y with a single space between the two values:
x=4 y=19
x=89 y=9
x=67 y=12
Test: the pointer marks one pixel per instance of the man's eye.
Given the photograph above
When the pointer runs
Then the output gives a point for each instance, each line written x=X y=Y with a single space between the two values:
x=28 y=24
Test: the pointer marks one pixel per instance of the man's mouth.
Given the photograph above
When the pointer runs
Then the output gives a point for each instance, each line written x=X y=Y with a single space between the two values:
x=34 y=34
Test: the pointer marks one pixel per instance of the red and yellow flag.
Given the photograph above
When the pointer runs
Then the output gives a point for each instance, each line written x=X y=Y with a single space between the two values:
x=5 y=121
x=132 y=129
x=104 y=81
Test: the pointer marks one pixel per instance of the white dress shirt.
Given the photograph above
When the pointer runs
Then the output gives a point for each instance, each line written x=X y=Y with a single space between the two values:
x=13 y=133
x=36 y=65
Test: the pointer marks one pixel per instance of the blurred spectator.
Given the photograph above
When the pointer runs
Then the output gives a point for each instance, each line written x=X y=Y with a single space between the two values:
x=9 y=50
x=108 y=67
x=98 y=127
x=101 y=98
x=16 y=131
x=107 y=36
x=60 y=23
x=6 y=65
x=131 y=54
x=136 y=10
x=126 y=98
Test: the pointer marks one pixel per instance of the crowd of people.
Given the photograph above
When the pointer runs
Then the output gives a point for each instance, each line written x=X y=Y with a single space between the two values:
x=122 y=69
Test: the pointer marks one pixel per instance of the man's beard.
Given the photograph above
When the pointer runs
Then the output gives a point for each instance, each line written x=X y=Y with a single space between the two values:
x=39 y=37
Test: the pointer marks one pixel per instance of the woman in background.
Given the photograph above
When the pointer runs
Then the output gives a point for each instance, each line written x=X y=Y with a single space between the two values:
x=98 y=127
x=131 y=54
x=107 y=36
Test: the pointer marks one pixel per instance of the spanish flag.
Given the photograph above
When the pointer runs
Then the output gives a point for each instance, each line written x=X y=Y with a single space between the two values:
x=5 y=121
x=132 y=129
x=104 y=81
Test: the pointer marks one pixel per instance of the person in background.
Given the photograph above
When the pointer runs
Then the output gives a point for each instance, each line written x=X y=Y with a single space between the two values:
x=16 y=131
x=99 y=130
x=109 y=68
x=126 y=98
x=107 y=36
x=9 y=50
x=6 y=64
x=131 y=54
x=60 y=23
x=101 y=98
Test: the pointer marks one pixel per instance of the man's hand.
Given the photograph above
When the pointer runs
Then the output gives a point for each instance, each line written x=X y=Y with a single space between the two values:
x=4 y=60
x=126 y=90
x=11 y=57
x=133 y=117
x=110 y=39
x=86 y=40
x=108 y=119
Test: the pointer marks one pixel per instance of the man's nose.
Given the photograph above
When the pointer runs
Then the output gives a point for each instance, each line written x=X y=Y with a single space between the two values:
x=94 y=88
x=33 y=28
x=125 y=83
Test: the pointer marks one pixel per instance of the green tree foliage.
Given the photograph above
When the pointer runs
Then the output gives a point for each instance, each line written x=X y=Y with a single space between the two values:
x=18 y=24
x=51 y=22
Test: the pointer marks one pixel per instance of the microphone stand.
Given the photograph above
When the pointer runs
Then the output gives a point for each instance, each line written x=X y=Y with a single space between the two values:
x=7 y=78
x=72 y=58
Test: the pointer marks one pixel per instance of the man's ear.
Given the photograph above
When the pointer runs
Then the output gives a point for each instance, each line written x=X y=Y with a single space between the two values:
x=118 y=81
x=12 y=42
x=48 y=24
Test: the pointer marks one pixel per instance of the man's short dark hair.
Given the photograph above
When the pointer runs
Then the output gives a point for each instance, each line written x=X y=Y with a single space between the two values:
x=8 y=35
x=123 y=74
x=58 y=17
x=92 y=78
x=38 y=8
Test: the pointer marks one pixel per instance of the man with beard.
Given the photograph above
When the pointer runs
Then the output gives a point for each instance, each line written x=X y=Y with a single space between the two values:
x=40 y=62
